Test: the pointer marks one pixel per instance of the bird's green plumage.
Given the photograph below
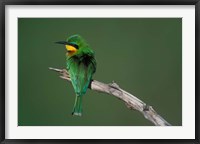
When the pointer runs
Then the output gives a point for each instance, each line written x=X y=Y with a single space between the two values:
x=81 y=69
x=81 y=66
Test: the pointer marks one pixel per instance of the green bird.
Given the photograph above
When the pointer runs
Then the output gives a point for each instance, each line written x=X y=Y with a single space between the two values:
x=81 y=65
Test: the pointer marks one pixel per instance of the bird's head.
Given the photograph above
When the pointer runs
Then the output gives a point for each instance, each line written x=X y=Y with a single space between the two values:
x=73 y=44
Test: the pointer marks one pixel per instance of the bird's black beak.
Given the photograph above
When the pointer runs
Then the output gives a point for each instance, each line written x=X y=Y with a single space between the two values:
x=62 y=42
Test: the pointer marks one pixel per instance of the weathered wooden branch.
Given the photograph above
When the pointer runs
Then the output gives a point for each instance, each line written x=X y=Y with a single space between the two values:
x=131 y=101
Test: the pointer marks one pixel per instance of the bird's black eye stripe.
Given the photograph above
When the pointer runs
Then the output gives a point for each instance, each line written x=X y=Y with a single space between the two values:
x=74 y=45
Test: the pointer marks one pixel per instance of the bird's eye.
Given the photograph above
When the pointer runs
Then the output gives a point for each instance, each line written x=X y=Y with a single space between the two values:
x=74 y=45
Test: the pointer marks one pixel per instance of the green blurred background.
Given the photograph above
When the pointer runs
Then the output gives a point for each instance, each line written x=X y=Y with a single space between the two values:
x=142 y=55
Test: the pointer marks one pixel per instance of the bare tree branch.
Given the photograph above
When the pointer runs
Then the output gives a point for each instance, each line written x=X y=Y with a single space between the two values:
x=131 y=101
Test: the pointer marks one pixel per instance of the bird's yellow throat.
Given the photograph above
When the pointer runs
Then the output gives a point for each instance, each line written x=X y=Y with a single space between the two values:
x=70 y=49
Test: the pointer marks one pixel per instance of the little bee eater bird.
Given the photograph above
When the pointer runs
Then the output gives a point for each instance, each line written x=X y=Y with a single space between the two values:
x=81 y=65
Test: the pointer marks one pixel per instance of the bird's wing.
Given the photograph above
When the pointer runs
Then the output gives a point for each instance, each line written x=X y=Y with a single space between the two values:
x=81 y=71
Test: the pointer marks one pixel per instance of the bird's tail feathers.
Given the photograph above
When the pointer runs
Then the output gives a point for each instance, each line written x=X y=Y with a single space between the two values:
x=77 y=106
